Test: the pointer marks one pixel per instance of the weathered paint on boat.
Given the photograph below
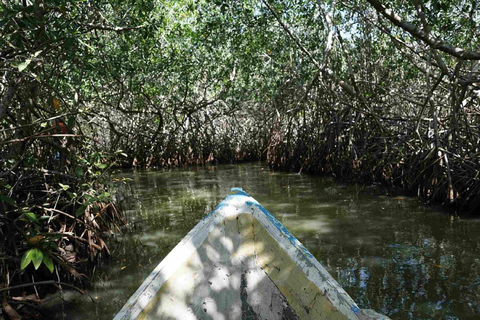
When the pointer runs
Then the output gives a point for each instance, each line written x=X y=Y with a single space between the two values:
x=240 y=262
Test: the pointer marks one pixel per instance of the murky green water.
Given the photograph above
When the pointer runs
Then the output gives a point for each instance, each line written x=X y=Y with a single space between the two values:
x=392 y=255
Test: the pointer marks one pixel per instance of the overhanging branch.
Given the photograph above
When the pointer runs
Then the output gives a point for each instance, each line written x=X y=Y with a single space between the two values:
x=434 y=43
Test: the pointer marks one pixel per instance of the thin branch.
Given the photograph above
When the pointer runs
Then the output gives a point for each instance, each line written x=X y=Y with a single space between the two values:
x=107 y=28
x=326 y=71
x=56 y=283
x=40 y=121
x=427 y=100
x=7 y=97
x=40 y=136
x=421 y=35
x=294 y=38
x=73 y=237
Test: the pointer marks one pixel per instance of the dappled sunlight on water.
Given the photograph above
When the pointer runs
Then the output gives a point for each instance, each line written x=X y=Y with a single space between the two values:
x=317 y=226
x=391 y=254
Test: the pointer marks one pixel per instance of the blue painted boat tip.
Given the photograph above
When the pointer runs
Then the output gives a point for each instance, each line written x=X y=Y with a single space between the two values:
x=355 y=309
x=235 y=191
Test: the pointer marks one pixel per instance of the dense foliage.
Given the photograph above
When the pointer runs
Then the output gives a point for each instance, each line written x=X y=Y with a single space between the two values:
x=374 y=91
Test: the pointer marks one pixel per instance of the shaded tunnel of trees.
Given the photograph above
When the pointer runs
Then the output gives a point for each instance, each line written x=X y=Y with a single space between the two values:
x=376 y=91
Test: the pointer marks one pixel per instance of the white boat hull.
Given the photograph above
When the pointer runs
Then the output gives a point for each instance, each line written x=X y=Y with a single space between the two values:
x=240 y=262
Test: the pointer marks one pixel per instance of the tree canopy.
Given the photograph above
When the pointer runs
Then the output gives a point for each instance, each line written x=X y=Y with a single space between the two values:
x=376 y=83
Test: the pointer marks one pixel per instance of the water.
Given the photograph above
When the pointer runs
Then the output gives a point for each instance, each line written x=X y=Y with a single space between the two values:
x=390 y=254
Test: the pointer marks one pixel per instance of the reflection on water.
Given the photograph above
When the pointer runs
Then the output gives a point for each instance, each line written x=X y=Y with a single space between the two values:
x=390 y=254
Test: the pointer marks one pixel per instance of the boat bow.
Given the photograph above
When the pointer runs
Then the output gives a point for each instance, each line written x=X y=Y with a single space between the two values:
x=240 y=262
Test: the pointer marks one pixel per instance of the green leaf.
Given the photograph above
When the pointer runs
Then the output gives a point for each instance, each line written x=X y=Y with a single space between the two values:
x=100 y=165
x=78 y=172
x=31 y=216
x=35 y=76
x=6 y=199
x=22 y=66
x=52 y=245
x=48 y=262
x=64 y=186
x=26 y=259
x=80 y=211
x=72 y=195
x=37 y=258
x=71 y=122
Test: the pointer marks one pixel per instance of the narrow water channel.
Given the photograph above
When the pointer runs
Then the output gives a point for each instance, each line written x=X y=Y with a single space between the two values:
x=391 y=254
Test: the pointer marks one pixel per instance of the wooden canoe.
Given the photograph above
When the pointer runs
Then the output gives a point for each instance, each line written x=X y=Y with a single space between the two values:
x=240 y=262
